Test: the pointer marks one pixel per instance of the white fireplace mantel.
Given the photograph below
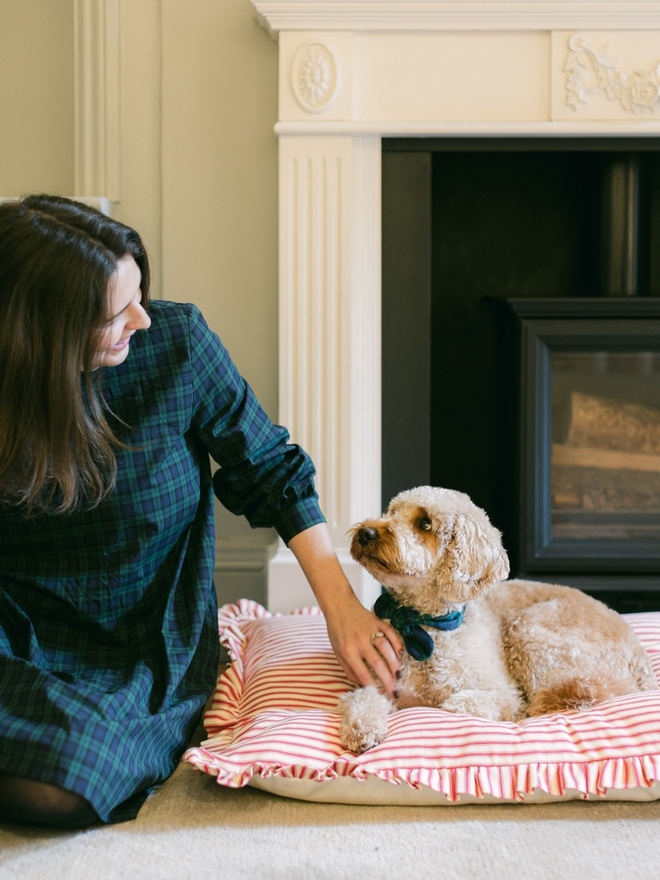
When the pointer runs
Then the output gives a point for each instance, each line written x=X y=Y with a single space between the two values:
x=352 y=73
x=412 y=15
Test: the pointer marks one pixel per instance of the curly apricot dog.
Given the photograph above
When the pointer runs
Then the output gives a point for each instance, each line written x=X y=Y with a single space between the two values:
x=476 y=644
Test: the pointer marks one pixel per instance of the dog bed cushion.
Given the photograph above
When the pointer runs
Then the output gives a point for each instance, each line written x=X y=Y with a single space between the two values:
x=272 y=724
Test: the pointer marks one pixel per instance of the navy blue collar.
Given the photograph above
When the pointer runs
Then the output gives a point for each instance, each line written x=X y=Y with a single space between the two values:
x=408 y=622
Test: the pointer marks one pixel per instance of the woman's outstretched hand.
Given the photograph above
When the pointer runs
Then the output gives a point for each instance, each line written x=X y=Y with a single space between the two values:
x=350 y=628
x=350 y=625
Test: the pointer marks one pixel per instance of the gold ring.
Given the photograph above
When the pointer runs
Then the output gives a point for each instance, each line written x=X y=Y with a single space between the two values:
x=377 y=635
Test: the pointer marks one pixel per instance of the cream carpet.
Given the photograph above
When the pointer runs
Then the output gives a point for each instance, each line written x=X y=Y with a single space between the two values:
x=193 y=828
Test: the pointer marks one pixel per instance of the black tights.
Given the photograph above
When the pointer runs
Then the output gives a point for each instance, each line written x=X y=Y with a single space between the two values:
x=38 y=803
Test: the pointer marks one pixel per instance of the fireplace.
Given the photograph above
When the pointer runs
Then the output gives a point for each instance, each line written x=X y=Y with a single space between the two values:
x=520 y=318
x=588 y=450
x=355 y=76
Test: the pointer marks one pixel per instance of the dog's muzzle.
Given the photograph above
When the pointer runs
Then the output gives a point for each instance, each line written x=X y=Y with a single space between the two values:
x=366 y=535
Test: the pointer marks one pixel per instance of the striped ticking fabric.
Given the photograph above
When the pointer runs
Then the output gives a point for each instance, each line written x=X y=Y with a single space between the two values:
x=273 y=714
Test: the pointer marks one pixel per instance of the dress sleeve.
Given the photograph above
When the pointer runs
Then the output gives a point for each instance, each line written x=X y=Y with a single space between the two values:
x=261 y=476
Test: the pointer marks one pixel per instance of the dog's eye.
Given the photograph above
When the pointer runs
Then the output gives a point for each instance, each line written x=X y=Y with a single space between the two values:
x=425 y=524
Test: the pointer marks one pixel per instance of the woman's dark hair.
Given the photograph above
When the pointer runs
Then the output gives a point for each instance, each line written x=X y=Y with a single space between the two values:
x=56 y=259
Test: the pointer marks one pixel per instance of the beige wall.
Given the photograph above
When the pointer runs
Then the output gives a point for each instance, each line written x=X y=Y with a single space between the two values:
x=219 y=159
x=219 y=219
x=36 y=96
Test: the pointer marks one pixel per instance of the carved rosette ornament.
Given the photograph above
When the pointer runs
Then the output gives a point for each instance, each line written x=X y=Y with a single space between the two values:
x=314 y=77
x=591 y=71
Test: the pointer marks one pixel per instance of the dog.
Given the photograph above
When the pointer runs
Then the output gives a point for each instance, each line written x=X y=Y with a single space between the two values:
x=476 y=643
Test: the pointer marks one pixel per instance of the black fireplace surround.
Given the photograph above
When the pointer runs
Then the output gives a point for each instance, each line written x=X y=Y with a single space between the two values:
x=521 y=347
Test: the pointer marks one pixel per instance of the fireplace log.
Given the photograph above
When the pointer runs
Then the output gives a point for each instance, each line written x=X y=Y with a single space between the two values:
x=600 y=489
x=602 y=423
x=612 y=459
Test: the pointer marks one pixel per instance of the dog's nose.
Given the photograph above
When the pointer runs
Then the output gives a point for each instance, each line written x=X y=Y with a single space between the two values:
x=366 y=535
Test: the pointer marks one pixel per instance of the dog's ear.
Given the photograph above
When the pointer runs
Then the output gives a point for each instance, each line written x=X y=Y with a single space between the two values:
x=474 y=559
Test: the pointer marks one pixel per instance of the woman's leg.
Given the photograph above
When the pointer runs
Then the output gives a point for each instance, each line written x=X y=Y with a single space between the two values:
x=38 y=803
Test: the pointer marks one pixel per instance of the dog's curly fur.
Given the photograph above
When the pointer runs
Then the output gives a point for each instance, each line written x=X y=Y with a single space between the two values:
x=524 y=648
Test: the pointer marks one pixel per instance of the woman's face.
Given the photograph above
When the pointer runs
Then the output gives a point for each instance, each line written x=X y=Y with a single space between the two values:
x=124 y=297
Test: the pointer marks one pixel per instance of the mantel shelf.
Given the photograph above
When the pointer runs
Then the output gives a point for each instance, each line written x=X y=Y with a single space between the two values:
x=410 y=15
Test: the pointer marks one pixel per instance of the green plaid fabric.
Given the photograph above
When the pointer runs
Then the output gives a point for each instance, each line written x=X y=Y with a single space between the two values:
x=108 y=619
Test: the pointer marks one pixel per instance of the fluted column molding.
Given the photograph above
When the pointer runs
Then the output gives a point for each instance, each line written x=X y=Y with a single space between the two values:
x=330 y=336
x=97 y=88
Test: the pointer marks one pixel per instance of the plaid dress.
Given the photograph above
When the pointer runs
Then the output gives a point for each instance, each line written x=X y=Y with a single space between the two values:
x=108 y=619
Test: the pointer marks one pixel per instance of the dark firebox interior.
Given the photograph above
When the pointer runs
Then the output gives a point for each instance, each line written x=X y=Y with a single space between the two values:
x=468 y=224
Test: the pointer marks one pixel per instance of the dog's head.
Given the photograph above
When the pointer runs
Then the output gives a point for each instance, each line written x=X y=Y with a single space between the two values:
x=432 y=547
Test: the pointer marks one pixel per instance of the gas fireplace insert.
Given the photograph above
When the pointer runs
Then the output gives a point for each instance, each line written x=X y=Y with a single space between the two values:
x=589 y=439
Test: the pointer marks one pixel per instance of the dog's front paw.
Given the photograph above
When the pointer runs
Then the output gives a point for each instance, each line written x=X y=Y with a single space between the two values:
x=363 y=719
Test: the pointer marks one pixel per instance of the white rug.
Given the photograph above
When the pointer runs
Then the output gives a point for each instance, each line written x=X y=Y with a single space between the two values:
x=193 y=828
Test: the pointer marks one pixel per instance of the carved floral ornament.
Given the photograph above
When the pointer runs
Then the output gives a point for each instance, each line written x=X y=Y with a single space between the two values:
x=314 y=77
x=591 y=71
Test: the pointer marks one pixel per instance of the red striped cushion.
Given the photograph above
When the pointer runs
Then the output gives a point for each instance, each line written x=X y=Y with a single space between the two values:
x=273 y=715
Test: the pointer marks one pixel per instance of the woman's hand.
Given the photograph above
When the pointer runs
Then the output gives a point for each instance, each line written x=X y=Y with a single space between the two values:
x=350 y=628
x=350 y=625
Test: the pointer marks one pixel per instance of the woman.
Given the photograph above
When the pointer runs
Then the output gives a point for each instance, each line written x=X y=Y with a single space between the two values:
x=109 y=407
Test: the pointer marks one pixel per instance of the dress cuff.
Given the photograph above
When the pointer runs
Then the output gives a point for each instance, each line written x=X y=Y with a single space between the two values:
x=297 y=517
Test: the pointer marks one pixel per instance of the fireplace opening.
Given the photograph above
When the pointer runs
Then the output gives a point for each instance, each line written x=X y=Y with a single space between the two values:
x=469 y=225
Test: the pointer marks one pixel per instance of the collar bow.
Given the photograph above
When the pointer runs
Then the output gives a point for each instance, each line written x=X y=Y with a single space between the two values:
x=408 y=622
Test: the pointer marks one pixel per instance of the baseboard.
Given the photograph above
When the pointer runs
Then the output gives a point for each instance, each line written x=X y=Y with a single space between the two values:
x=241 y=571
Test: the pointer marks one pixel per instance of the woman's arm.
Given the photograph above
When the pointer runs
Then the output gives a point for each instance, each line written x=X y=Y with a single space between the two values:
x=350 y=625
x=270 y=481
